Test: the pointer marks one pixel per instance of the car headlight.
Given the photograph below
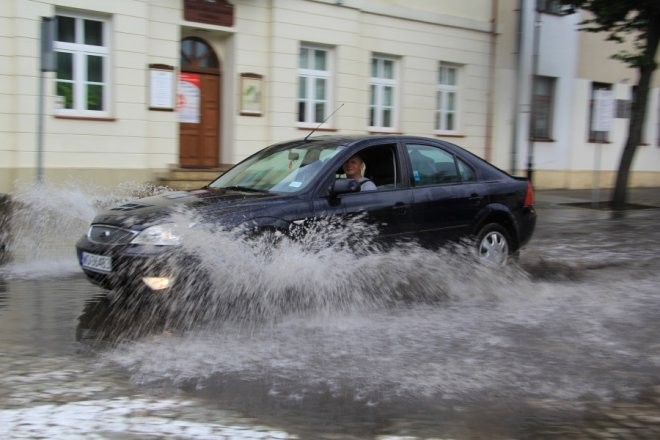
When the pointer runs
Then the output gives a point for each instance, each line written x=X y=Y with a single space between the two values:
x=159 y=235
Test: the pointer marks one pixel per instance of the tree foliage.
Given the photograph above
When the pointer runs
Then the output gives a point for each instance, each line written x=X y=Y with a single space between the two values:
x=637 y=21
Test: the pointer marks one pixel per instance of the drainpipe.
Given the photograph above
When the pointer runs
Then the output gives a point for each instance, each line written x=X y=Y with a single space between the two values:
x=529 y=21
x=535 y=70
x=516 y=95
x=491 y=81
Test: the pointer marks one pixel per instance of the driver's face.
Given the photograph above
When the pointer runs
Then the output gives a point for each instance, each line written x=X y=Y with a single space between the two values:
x=353 y=167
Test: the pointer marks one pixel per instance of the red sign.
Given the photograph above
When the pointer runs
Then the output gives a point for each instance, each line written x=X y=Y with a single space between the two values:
x=188 y=97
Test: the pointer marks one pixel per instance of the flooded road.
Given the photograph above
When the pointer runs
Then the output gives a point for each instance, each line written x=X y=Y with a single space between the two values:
x=397 y=344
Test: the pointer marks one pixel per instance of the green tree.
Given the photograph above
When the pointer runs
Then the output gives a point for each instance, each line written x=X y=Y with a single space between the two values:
x=640 y=21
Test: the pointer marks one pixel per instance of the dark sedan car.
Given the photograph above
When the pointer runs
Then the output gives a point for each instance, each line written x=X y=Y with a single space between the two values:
x=427 y=191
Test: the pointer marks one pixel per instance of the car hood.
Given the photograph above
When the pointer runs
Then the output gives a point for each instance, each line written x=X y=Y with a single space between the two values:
x=214 y=203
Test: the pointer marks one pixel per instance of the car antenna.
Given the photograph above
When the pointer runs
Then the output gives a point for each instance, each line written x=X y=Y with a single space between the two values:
x=324 y=121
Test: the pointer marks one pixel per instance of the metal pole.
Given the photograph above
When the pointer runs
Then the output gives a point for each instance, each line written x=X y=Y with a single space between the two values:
x=40 y=130
x=516 y=97
x=46 y=64
x=595 y=195
x=535 y=68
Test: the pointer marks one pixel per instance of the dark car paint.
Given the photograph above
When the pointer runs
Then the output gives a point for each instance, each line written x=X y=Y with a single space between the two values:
x=430 y=214
x=390 y=210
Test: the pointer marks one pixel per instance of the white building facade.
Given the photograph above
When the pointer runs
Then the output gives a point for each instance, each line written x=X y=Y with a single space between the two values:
x=143 y=85
x=569 y=66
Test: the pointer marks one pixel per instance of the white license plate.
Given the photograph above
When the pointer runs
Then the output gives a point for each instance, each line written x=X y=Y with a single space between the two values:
x=99 y=263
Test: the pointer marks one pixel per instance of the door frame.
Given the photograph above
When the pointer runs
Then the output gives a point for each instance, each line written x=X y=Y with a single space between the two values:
x=205 y=63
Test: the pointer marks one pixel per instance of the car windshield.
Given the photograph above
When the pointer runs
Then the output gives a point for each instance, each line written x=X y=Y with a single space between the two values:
x=281 y=168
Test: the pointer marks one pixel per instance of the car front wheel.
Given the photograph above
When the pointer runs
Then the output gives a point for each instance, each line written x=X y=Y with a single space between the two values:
x=494 y=244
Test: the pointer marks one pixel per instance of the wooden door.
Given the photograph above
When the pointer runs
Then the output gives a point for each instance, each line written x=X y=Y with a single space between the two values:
x=199 y=141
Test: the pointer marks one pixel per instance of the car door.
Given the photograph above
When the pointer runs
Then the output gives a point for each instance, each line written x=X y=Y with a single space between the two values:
x=388 y=207
x=446 y=194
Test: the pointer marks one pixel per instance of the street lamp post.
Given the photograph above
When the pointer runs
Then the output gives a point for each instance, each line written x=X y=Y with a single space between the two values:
x=47 y=64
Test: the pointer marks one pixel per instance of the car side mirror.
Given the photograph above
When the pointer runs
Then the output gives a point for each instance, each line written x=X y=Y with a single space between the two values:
x=344 y=186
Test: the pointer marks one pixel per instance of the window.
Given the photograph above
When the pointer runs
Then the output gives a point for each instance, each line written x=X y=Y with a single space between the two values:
x=432 y=166
x=623 y=108
x=446 y=119
x=82 y=53
x=382 y=93
x=595 y=136
x=313 y=84
x=287 y=168
x=381 y=166
x=542 y=110
x=550 y=6
x=197 y=54
x=634 y=93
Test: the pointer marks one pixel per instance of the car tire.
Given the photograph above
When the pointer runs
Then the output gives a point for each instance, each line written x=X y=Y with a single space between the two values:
x=494 y=244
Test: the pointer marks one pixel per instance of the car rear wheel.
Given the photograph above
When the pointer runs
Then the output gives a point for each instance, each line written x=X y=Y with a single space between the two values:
x=494 y=244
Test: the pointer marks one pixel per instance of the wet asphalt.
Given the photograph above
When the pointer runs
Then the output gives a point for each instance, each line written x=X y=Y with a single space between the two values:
x=60 y=379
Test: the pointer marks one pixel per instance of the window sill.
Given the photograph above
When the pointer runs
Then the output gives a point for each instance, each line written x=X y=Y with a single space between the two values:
x=85 y=118
x=384 y=130
x=308 y=128
x=449 y=135
x=541 y=139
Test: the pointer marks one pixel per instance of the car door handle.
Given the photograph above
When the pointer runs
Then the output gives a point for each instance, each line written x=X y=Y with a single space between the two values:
x=400 y=208
x=475 y=198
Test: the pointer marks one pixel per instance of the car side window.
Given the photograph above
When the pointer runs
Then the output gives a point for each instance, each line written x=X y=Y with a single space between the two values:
x=433 y=166
x=380 y=166
x=467 y=173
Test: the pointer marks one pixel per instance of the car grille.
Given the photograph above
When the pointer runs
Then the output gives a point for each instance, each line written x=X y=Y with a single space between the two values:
x=109 y=235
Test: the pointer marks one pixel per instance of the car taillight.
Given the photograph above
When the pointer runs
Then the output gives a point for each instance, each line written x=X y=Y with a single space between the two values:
x=529 y=196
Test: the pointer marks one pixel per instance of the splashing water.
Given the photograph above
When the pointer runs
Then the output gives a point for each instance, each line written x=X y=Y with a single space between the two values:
x=47 y=220
x=332 y=313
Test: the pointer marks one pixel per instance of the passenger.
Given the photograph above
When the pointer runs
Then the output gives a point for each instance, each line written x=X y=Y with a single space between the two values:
x=353 y=170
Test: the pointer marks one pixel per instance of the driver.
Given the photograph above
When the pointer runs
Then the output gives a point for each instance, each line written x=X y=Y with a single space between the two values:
x=353 y=170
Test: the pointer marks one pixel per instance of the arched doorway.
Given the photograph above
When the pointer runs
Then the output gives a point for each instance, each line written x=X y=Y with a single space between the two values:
x=199 y=101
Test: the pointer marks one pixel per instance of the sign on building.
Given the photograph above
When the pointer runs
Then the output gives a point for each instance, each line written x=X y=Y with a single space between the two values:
x=603 y=110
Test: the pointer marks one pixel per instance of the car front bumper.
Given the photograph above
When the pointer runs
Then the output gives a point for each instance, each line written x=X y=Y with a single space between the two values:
x=125 y=266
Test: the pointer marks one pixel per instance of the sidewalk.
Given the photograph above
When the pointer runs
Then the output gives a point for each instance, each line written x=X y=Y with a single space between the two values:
x=637 y=196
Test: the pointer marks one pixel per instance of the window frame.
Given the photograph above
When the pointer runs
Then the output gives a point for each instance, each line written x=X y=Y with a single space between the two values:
x=80 y=57
x=377 y=86
x=536 y=116
x=441 y=113
x=310 y=76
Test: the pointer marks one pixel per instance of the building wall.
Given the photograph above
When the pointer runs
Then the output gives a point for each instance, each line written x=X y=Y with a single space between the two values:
x=353 y=32
x=597 y=163
x=134 y=143
x=558 y=58
x=575 y=59
x=7 y=98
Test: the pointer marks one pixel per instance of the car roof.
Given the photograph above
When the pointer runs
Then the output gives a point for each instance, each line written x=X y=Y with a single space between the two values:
x=349 y=139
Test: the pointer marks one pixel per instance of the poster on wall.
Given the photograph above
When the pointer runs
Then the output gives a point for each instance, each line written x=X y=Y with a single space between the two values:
x=603 y=110
x=161 y=87
x=251 y=85
x=188 y=98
